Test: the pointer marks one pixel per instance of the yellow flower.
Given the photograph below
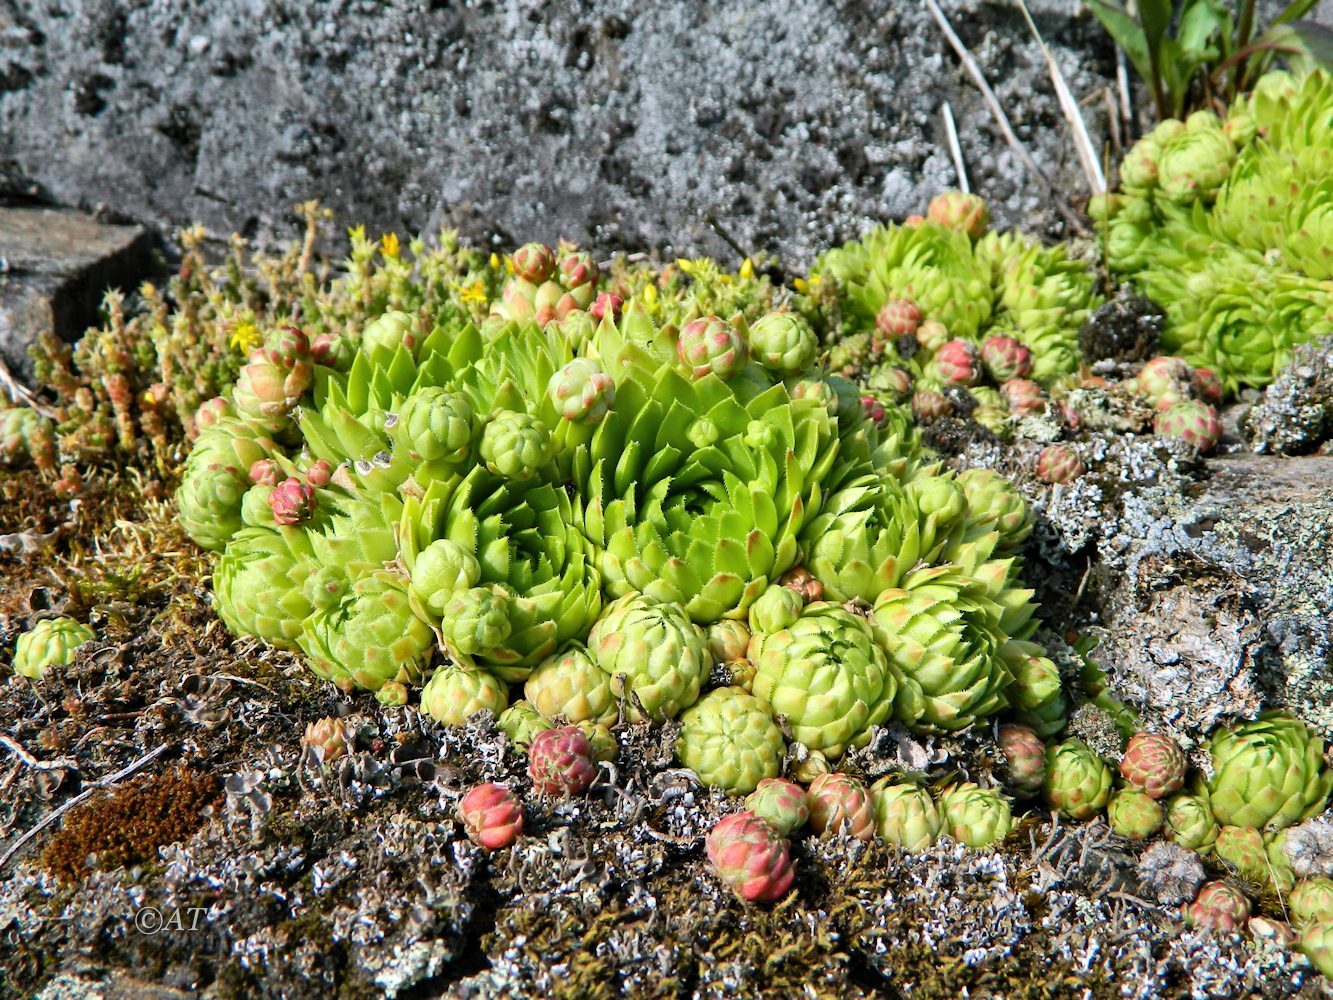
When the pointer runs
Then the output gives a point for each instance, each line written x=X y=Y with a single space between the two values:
x=685 y=265
x=747 y=269
x=245 y=337
x=389 y=244
x=475 y=292
x=801 y=285
x=495 y=262
x=650 y=295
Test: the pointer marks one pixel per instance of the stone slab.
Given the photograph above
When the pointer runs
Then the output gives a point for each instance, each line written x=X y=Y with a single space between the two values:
x=55 y=266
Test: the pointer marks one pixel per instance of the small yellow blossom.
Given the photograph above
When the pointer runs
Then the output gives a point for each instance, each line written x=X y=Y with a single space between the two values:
x=475 y=292
x=389 y=244
x=801 y=285
x=747 y=269
x=495 y=262
x=245 y=338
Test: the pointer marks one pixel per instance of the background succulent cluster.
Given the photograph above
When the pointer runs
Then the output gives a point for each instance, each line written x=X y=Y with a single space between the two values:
x=1226 y=223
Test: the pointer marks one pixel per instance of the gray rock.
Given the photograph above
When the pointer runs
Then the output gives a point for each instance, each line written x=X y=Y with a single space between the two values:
x=1295 y=414
x=687 y=128
x=1215 y=602
x=54 y=268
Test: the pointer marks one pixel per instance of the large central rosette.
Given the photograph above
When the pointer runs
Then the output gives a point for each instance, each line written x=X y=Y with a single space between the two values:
x=465 y=536
x=696 y=491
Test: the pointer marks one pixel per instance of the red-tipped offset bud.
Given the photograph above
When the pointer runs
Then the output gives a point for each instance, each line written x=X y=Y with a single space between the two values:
x=1005 y=358
x=1165 y=380
x=292 y=501
x=1193 y=422
x=711 y=345
x=319 y=473
x=898 y=318
x=607 y=304
x=331 y=737
x=560 y=762
x=873 y=410
x=492 y=815
x=928 y=405
x=265 y=472
x=1024 y=757
x=840 y=803
x=1207 y=384
x=932 y=335
x=779 y=803
x=956 y=210
x=287 y=347
x=750 y=857
x=1154 y=764
x=1024 y=397
x=801 y=580
x=210 y=412
x=1220 y=907
x=578 y=270
x=534 y=262
x=956 y=363
x=1059 y=463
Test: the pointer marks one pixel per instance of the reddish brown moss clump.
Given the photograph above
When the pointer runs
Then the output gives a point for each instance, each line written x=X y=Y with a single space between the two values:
x=128 y=826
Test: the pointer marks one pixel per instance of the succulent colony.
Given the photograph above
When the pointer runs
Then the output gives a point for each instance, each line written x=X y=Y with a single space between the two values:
x=576 y=498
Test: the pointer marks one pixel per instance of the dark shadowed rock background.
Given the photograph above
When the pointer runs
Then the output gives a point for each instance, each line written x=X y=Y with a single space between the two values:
x=786 y=126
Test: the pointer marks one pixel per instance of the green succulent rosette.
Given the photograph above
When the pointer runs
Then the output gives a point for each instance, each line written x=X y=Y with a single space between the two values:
x=524 y=539
x=572 y=686
x=695 y=491
x=1134 y=814
x=516 y=445
x=259 y=584
x=942 y=629
x=652 y=649
x=826 y=676
x=1078 y=782
x=216 y=477
x=52 y=642
x=783 y=343
x=974 y=816
x=871 y=533
x=1194 y=162
x=730 y=741
x=370 y=638
x=994 y=504
x=455 y=693
x=1190 y=822
x=776 y=609
x=521 y=722
x=905 y=814
x=1268 y=773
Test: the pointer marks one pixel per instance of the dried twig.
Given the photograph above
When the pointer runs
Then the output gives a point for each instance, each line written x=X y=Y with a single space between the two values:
x=20 y=393
x=1087 y=152
x=955 y=148
x=83 y=796
x=18 y=750
x=1001 y=119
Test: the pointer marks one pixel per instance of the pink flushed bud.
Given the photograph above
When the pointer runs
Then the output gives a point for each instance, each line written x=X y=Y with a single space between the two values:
x=750 y=857
x=913 y=221
x=546 y=303
x=710 y=344
x=779 y=803
x=292 y=501
x=332 y=737
x=1165 y=380
x=607 y=303
x=1220 y=907
x=1005 y=358
x=930 y=405
x=286 y=347
x=1192 y=421
x=1069 y=415
x=965 y=212
x=324 y=350
x=578 y=269
x=319 y=473
x=534 y=262
x=1025 y=757
x=956 y=363
x=1207 y=384
x=840 y=803
x=801 y=580
x=492 y=815
x=210 y=412
x=1154 y=764
x=560 y=761
x=874 y=411
x=898 y=318
x=1024 y=396
x=1058 y=463
x=265 y=472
